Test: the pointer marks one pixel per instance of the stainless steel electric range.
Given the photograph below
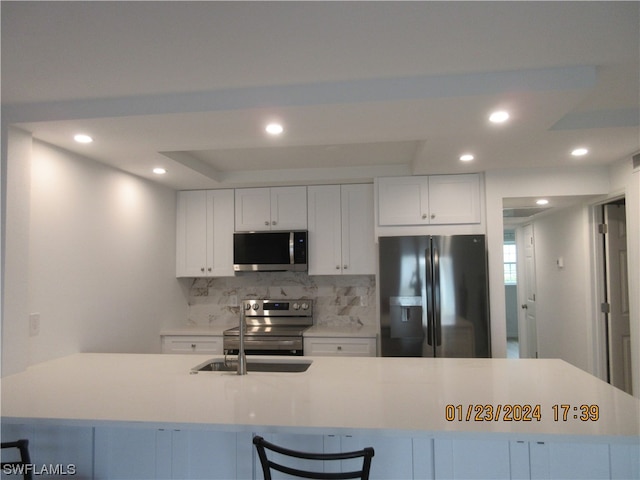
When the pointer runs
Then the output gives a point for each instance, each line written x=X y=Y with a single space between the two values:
x=274 y=327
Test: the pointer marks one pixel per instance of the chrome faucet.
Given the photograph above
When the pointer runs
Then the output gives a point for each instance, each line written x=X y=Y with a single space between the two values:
x=242 y=359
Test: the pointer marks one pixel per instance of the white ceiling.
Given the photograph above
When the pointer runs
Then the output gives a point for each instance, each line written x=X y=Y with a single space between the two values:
x=363 y=88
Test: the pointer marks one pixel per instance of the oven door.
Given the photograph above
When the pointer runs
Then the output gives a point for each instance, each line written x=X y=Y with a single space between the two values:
x=264 y=345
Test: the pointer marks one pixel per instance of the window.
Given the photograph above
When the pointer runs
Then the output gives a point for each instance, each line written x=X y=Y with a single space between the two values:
x=509 y=254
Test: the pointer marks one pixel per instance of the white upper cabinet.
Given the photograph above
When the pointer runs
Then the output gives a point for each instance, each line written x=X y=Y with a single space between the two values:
x=277 y=208
x=204 y=241
x=454 y=199
x=429 y=200
x=341 y=236
x=403 y=200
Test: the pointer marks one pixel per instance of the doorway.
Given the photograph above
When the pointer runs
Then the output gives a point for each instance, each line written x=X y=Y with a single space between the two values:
x=520 y=292
x=615 y=301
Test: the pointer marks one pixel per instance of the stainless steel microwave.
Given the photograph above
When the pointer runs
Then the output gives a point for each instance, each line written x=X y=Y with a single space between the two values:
x=270 y=251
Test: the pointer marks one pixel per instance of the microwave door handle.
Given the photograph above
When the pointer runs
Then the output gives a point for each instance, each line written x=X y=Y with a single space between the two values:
x=291 y=255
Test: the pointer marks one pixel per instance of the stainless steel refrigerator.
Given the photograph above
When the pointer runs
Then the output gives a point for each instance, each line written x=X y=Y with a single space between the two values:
x=434 y=298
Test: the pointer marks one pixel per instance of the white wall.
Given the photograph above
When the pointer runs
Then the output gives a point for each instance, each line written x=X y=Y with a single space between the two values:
x=563 y=295
x=16 y=170
x=100 y=260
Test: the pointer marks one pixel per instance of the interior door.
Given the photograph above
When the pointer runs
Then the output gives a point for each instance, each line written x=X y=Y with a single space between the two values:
x=619 y=334
x=528 y=332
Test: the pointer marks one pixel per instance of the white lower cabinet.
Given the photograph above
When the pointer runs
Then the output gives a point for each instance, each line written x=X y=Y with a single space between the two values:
x=393 y=458
x=56 y=451
x=122 y=453
x=340 y=346
x=210 y=344
x=490 y=458
x=471 y=459
x=138 y=453
x=569 y=461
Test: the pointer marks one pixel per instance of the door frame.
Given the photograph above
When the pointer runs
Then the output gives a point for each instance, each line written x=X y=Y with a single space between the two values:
x=599 y=319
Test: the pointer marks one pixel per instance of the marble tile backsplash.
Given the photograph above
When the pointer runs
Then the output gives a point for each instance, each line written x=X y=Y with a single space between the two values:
x=347 y=300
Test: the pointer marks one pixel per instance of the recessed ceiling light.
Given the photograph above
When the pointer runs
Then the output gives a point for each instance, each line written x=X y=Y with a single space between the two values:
x=82 y=138
x=542 y=201
x=499 y=116
x=159 y=171
x=467 y=157
x=274 y=129
x=579 y=152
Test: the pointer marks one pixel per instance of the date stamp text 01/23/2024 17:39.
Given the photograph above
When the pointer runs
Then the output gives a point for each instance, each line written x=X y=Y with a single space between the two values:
x=519 y=413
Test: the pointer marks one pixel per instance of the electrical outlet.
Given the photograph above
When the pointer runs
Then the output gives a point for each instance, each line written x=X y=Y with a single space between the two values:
x=34 y=324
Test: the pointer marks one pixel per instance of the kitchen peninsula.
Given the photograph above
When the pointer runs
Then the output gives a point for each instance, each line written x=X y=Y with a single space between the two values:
x=427 y=418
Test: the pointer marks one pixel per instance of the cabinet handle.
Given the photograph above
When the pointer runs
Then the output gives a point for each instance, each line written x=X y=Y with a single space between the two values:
x=202 y=269
x=337 y=267
x=266 y=222
x=433 y=215
x=345 y=267
x=209 y=268
x=193 y=346
x=424 y=216
x=274 y=223
x=339 y=347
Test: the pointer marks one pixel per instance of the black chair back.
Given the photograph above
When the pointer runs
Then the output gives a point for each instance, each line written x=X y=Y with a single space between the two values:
x=24 y=464
x=267 y=465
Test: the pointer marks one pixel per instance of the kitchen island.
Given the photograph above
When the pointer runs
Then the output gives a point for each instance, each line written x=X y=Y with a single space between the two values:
x=427 y=418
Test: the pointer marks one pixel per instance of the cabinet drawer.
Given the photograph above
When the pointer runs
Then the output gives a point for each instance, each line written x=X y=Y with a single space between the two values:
x=346 y=347
x=192 y=344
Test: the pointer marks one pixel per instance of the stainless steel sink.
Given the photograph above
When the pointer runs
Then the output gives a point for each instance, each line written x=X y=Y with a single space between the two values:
x=254 y=365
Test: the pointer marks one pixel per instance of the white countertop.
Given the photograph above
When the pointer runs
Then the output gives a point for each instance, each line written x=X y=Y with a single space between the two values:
x=336 y=394
x=314 y=331
x=343 y=332
x=186 y=330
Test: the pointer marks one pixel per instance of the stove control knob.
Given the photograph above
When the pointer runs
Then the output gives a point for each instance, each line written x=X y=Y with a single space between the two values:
x=256 y=306
x=247 y=306
x=305 y=306
x=296 y=306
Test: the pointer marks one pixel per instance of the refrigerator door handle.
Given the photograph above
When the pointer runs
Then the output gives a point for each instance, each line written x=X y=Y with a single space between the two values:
x=437 y=318
x=429 y=294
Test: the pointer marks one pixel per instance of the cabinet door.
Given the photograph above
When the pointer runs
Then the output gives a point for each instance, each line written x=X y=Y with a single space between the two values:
x=69 y=449
x=220 y=216
x=358 y=242
x=191 y=236
x=203 y=454
x=393 y=458
x=472 y=459
x=252 y=209
x=569 y=460
x=454 y=199
x=325 y=230
x=403 y=201
x=289 y=208
x=128 y=453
